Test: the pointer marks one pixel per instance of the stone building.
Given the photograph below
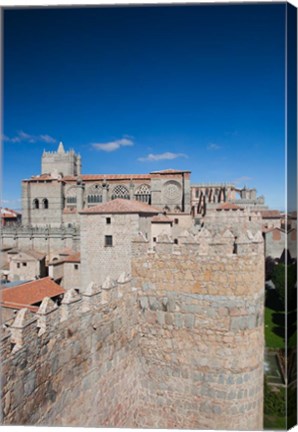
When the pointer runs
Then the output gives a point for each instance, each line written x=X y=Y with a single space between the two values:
x=66 y=270
x=10 y=217
x=277 y=240
x=206 y=197
x=57 y=195
x=161 y=324
x=271 y=218
x=107 y=231
x=26 y=264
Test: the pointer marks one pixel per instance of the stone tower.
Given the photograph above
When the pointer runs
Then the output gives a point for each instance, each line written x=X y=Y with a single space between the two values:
x=66 y=163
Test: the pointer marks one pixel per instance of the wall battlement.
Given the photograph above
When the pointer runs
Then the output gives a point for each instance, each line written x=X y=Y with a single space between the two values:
x=178 y=344
x=46 y=239
x=56 y=360
x=27 y=327
x=203 y=243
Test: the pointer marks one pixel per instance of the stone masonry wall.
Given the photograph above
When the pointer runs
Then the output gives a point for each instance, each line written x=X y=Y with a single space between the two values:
x=46 y=240
x=178 y=346
x=73 y=365
x=201 y=341
x=99 y=260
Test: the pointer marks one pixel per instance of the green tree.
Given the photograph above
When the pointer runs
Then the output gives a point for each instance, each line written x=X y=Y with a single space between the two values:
x=279 y=280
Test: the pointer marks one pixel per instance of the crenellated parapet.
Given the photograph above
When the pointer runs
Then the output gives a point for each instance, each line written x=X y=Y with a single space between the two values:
x=50 y=318
x=47 y=230
x=202 y=243
x=47 y=239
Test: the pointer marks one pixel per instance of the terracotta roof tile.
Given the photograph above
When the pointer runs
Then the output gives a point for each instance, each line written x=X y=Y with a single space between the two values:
x=121 y=206
x=86 y=177
x=170 y=171
x=161 y=219
x=7 y=213
x=76 y=258
x=32 y=252
x=228 y=206
x=29 y=293
x=270 y=214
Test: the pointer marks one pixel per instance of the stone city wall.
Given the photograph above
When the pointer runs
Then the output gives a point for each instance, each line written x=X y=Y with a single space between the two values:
x=201 y=329
x=48 y=240
x=179 y=346
x=75 y=364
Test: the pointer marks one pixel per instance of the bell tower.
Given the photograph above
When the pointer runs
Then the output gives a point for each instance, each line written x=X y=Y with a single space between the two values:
x=66 y=163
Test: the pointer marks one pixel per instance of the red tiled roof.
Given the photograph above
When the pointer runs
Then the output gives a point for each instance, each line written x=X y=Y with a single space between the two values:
x=121 y=206
x=228 y=206
x=161 y=219
x=86 y=177
x=7 y=213
x=270 y=214
x=76 y=257
x=92 y=177
x=40 y=177
x=29 y=293
x=32 y=252
x=170 y=171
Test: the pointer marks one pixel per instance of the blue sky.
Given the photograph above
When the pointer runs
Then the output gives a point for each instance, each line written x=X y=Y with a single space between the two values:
x=138 y=89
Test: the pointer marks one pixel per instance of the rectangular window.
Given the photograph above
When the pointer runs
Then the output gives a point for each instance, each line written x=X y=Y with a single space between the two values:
x=108 y=240
x=18 y=265
x=176 y=221
x=24 y=264
x=154 y=239
x=76 y=266
x=108 y=221
x=175 y=241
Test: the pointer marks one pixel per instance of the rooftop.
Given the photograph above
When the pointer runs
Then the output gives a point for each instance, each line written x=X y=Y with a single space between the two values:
x=103 y=177
x=29 y=293
x=31 y=252
x=121 y=206
x=161 y=219
x=270 y=214
x=228 y=206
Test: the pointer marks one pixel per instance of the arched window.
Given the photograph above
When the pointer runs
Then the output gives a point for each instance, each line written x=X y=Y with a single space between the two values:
x=35 y=203
x=143 y=194
x=71 y=200
x=94 y=199
x=94 y=194
x=120 y=191
x=45 y=203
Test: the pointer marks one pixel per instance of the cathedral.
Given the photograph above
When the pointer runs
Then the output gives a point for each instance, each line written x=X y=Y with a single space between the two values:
x=60 y=192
